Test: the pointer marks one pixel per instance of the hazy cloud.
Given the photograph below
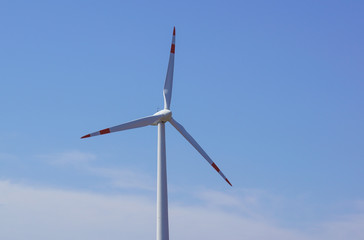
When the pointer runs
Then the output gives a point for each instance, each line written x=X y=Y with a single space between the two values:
x=74 y=157
x=116 y=178
x=7 y=157
x=44 y=213
x=125 y=178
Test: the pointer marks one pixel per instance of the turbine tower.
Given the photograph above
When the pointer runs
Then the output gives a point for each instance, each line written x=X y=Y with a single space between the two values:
x=160 y=118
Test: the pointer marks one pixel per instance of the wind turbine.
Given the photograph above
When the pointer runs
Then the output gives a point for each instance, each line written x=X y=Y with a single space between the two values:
x=160 y=118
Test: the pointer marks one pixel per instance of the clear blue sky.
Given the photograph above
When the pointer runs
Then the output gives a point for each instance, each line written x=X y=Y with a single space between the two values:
x=272 y=90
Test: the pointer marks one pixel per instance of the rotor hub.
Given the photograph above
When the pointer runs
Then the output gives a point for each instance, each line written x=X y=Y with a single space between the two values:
x=165 y=114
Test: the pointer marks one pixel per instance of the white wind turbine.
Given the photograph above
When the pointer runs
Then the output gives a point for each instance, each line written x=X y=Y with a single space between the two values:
x=160 y=118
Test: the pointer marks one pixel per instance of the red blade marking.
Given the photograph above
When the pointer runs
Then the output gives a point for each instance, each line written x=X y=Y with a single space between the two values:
x=107 y=130
x=214 y=166
x=86 y=136
x=172 y=48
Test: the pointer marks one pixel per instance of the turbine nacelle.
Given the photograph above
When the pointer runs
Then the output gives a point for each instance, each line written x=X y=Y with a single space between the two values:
x=165 y=116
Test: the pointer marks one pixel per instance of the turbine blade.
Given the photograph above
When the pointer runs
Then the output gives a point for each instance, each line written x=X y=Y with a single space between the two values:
x=167 y=91
x=193 y=142
x=141 y=122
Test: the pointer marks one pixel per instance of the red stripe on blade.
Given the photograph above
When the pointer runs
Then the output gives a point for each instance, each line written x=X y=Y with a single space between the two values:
x=174 y=31
x=228 y=181
x=86 y=136
x=107 y=130
x=172 y=48
x=214 y=166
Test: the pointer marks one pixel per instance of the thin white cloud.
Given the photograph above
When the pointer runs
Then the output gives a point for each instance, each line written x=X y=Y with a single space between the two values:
x=346 y=227
x=7 y=157
x=125 y=178
x=33 y=213
x=245 y=202
x=45 y=213
x=74 y=157
x=116 y=178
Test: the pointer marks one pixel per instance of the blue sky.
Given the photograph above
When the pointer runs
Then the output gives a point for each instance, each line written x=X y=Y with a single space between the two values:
x=273 y=91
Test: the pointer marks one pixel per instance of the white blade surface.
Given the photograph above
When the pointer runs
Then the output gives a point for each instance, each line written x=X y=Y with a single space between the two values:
x=129 y=125
x=193 y=142
x=167 y=91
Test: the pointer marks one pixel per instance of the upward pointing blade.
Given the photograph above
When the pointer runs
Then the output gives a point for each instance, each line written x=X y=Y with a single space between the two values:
x=193 y=142
x=167 y=91
x=141 y=122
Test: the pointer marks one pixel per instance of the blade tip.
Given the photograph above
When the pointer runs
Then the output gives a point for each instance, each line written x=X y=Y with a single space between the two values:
x=86 y=136
x=228 y=182
x=174 y=31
